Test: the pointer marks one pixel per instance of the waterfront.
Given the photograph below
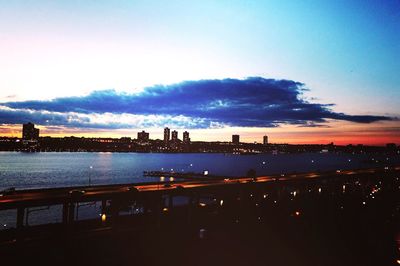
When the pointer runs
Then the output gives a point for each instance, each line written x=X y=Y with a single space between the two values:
x=61 y=169
x=311 y=216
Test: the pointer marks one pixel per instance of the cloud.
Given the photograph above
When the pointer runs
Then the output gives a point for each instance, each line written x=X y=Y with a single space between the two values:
x=97 y=121
x=251 y=102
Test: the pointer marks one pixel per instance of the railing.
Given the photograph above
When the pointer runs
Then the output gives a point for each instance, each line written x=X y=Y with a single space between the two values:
x=156 y=199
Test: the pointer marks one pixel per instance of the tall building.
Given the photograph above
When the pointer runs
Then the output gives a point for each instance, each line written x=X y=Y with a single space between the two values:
x=186 y=138
x=29 y=132
x=174 y=136
x=265 y=140
x=235 y=139
x=143 y=136
x=166 y=136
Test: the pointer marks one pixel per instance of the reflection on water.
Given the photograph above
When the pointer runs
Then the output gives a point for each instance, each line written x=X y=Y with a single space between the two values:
x=38 y=170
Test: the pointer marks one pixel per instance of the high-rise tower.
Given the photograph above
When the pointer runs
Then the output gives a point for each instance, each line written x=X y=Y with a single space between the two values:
x=235 y=139
x=186 y=138
x=166 y=136
x=29 y=132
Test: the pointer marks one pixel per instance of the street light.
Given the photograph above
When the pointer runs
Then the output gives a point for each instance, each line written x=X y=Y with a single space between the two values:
x=90 y=172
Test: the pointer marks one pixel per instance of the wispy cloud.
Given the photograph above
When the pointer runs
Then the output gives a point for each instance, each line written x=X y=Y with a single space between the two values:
x=97 y=120
x=251 y=102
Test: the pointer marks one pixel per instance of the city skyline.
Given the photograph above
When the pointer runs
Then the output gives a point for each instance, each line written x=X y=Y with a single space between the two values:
x=29 y=132
x=173 y=142
x=301 y=73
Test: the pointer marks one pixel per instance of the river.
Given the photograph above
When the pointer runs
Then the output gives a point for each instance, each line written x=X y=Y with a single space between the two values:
x=60 y=169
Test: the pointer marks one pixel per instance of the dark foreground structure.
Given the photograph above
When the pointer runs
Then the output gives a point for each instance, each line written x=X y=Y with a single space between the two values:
x=334 y=218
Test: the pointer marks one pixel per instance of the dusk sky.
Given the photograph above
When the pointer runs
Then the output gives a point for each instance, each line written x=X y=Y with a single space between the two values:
x=297 y=71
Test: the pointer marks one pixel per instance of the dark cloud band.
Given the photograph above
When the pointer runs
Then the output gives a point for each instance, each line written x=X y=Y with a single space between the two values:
x=251 y=102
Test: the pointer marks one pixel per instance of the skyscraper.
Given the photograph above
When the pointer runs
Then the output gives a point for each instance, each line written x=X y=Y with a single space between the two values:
x=166 y=136
x=265 y=140
x=174 y=137
x=235 y=139
x=186 y=138
x=29 y=132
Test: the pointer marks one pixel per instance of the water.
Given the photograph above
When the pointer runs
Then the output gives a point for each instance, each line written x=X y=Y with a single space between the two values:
x=53 y=169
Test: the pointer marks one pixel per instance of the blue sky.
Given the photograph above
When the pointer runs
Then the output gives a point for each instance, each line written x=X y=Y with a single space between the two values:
x=347 y=53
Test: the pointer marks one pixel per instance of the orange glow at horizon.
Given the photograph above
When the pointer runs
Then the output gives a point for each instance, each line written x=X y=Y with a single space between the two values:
x=340 y=133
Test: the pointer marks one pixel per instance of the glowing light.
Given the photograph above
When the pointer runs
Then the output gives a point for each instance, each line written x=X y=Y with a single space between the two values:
x=294 y=193
x=171 y=178
x=398 y=261
x=344 y=188
x=165 y=209
x=297 y=213
x=162 y=178
x=221 y=202
x=103 y=217
x=202 y=233
x=319 y=190
x=202 y=204
x=264 y=196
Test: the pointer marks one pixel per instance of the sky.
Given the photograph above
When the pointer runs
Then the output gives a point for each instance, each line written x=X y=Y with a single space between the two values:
x=297 y=71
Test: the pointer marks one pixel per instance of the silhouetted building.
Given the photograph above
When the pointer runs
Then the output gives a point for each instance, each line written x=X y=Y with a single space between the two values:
x=174 y=136
x=29 y=132
x=265 y=140
x=166 y=136
x=391 y=145
x=186 y=138
x=235 y=139
x=143 y=136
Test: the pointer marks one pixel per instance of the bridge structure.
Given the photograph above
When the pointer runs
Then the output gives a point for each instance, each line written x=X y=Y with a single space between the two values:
x=157 y=199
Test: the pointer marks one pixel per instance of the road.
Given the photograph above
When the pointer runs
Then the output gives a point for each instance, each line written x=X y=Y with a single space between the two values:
x=58 y=195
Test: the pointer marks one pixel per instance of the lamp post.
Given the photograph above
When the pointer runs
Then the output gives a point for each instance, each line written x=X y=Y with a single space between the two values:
x=90 y=172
